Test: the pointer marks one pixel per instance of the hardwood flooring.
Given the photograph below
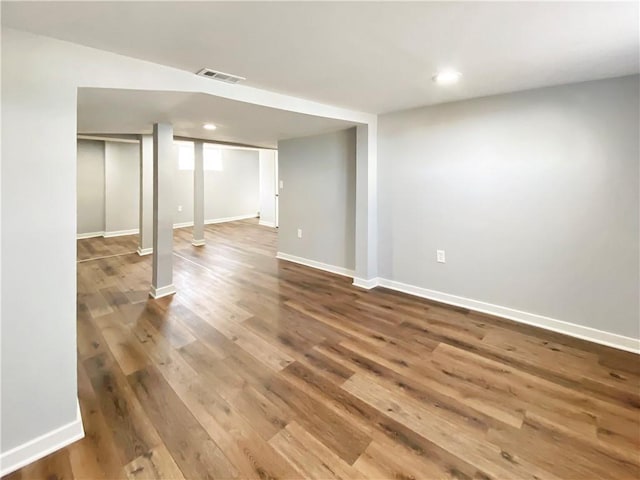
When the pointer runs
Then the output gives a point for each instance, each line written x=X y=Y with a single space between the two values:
x=261 y=368
x=99 y=247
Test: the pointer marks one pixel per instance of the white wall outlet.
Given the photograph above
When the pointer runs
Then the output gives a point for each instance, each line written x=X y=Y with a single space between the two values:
x=281 y=184
x=179 y=208
x=299 y=233
x=440 y=256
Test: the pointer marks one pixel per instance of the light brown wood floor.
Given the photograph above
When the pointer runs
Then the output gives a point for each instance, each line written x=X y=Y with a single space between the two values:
x=95 y=248
x=260 y=368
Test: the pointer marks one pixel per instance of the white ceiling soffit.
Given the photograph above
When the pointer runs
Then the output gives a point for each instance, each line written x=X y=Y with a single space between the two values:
x=368 y=56
x=113 y=111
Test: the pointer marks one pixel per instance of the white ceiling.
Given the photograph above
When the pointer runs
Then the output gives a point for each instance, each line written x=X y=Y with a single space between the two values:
x=114 y=111
x=373 y=57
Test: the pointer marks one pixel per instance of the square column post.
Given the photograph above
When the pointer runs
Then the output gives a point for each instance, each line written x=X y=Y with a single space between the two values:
x=164 y=157
x=366 y=275
x=198 y=194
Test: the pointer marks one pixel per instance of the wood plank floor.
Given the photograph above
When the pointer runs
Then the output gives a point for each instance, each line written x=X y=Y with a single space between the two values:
x=261 y=368
x=98 y=247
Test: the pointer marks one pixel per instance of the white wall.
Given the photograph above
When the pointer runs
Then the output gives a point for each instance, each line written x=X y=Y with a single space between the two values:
x=234 y=191
x=121 y=188
x=319 y=196
x=183 y=196
x=267 y=159
x=533 y=196
x=90 y=186
x=38 y=337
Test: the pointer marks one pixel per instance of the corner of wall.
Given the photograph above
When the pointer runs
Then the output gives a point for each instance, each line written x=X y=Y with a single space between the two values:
x=41 y=446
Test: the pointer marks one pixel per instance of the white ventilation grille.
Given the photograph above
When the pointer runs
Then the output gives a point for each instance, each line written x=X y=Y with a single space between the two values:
x=223 y=77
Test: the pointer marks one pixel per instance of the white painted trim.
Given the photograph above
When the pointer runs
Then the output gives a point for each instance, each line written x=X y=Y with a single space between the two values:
x=198 y=243
x=41 y=446
x=230 y=219
x=267 y=224
x=81 y=236
x=107 y=139
x=144 y=251
x=183 y=225
x=614 y=340
x=135 y=231
x=120 y=233
x=313 y=264
x=162 y=291
x=366 y=284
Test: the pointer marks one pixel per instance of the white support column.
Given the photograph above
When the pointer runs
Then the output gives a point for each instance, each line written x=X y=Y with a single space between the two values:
x=164 y=157
x=366 y=206
x=145 y=238
x=198 y=194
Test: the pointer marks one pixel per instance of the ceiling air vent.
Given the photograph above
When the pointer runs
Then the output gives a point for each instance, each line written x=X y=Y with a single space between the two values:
x=223 y=77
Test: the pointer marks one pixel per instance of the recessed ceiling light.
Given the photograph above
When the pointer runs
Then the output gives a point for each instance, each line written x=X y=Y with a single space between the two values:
x=447 y=77
x=209 y=126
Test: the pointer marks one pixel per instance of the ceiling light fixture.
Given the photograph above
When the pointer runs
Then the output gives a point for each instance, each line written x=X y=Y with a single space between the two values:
x=447 y=77
x=209 y=126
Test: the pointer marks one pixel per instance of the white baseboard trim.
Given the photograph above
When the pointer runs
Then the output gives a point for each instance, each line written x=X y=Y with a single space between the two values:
x=614 y=340
x=120 y=233
x=267 y=224
x=135 y=231
x=81 y=236
x=183 y=225
x=198 y=243
x=313 y=264
x=366 y=284
x=145 y=251
x=162 y=291
x=230 y=219
x=40 y=447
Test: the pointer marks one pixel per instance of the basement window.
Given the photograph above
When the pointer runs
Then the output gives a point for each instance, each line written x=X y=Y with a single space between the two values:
x=185 y=155
x=212 y=160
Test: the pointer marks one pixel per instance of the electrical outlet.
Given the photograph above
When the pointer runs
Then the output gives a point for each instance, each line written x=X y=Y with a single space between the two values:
x=179 y=208
x=440 y=256
x=299 y=233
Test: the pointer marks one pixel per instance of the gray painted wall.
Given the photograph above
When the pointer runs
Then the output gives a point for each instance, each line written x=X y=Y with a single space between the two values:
x=122 y=186
x=235 y=190
x=267 y=175
x=183 y=195
x=533 y=196
x=111 y=204
x=319 y=175
x=39 y=388
x=90 y=186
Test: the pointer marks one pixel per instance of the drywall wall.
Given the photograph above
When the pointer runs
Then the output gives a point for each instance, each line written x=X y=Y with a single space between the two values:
x=228 y=193
x=39 y=371
x=122 y=187
x=267 y=159
x=319 y=180
x=108 y=187
x=183 y=196
x=234 y=191
x=90 y=187
x=532 y=195
x=38 y=204
x=109 y=179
